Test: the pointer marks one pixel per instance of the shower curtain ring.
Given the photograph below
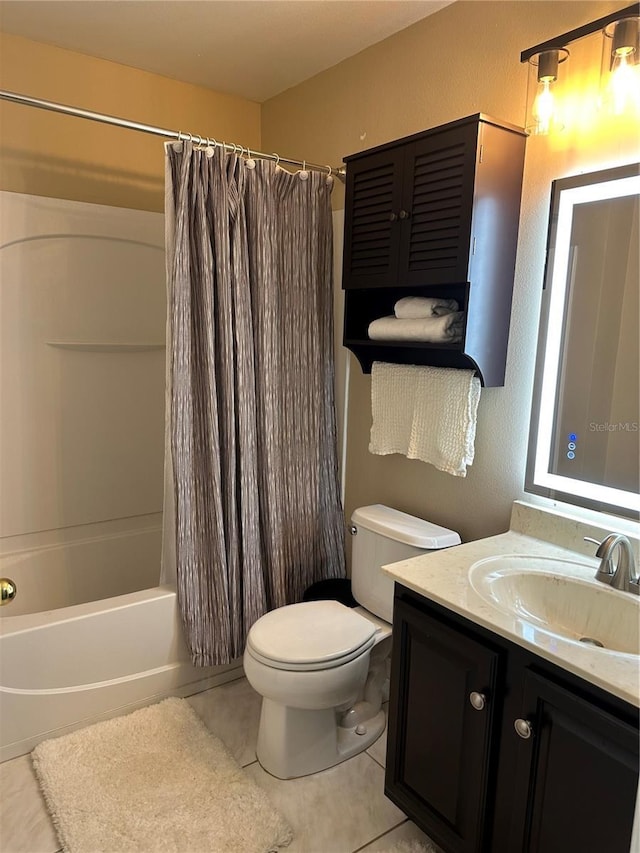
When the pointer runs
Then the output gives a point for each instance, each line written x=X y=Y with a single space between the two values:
x=330 y=171
x=277 y=156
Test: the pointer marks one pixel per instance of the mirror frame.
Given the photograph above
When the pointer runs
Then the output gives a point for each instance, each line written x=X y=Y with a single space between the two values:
x=539 y=479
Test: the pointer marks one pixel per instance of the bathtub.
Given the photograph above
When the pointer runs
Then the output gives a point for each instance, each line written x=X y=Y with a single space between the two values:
x=90 y=655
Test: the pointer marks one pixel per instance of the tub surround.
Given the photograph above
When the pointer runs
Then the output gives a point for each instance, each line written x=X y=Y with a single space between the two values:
x=443 y=577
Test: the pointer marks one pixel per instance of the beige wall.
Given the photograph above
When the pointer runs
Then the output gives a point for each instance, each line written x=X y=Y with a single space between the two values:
x=42 y=153
x=462 y=60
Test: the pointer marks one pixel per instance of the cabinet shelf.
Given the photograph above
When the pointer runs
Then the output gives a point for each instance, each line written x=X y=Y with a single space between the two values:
x=435 y=214
x=359 y=342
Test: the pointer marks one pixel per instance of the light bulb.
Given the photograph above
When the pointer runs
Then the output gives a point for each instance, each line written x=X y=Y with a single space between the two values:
x=620 y=85
x=544 y=107
x=624 y=82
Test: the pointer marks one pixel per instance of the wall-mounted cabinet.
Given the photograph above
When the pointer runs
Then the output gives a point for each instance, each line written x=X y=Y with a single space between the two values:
x=435 y=214
x=491 y=748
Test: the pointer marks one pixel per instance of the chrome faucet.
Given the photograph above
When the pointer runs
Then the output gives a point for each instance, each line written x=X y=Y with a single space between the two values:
x=622 y=573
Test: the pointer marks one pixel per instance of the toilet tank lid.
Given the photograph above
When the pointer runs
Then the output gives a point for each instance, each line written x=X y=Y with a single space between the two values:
x=404 y=528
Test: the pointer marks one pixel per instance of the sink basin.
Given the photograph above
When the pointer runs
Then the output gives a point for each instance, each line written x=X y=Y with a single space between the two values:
x=560 y=598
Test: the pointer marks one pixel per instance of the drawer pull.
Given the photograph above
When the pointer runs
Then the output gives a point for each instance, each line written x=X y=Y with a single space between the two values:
x=478 y=700
x=523 y=728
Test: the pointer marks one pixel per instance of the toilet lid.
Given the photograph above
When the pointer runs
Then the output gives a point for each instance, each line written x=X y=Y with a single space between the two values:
x=313 y=634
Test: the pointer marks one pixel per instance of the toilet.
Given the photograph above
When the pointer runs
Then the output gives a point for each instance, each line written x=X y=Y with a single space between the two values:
x=322 y=667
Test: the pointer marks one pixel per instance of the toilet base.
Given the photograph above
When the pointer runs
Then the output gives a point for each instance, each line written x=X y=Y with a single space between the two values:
x=295 y=742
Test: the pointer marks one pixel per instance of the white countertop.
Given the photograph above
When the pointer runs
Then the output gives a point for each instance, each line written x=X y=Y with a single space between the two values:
x=443 y=577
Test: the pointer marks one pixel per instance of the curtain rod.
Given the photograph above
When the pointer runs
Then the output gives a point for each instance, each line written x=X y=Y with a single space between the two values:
x=25 y=100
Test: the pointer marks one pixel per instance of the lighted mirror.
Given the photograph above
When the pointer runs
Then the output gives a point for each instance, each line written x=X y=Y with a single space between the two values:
x=584 y=438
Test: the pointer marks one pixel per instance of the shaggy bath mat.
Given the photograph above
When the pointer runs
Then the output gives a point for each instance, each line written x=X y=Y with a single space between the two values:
x=413 y=846
x=154 y=780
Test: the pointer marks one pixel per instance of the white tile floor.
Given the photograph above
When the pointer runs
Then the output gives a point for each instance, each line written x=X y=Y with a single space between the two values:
x=341 y=810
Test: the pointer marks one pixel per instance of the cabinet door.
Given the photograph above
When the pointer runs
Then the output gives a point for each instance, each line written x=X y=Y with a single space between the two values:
x=372 y=224
x=576 y=777
x=437 y=207
x=438 y=756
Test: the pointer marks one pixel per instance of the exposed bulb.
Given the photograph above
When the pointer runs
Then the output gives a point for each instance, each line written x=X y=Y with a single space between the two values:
x=544 y=107
x=623 y=82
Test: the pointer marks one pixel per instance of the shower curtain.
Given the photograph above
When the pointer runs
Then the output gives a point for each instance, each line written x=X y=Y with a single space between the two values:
x=254 y=498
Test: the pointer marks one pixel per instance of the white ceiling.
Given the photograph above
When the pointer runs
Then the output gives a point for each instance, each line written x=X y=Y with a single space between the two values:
x=251 y=48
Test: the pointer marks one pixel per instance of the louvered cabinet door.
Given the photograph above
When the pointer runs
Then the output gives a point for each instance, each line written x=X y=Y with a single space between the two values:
x=372 y=224
x=437 y=207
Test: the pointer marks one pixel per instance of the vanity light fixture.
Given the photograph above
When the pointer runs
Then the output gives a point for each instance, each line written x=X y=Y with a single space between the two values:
x=620 y=73
x=544 y=108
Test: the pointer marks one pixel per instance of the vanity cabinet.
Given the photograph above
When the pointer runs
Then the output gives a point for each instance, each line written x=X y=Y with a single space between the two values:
x=491 y=748
x=435 y=214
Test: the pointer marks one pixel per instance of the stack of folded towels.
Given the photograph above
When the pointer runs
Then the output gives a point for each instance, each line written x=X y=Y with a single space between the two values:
x=421 y=318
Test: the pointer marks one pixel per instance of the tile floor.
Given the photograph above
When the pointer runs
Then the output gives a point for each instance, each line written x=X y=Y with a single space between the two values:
x=341 y=810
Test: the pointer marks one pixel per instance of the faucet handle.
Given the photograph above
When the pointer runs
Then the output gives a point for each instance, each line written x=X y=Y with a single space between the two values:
x=591 y=539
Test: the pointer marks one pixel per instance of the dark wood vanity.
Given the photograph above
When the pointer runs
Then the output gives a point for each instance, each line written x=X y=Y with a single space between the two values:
x=492 y=748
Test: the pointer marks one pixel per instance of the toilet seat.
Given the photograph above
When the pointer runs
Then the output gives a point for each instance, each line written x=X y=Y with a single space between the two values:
x=312 y=635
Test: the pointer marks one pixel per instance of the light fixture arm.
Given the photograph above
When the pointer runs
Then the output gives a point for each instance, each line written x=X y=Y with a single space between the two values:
x=573 y=35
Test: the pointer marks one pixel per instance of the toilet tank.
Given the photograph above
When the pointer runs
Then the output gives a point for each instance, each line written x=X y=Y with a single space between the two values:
x=381 y=535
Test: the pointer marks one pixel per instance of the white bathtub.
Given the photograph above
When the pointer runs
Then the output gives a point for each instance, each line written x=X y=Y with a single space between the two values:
x=69 y=666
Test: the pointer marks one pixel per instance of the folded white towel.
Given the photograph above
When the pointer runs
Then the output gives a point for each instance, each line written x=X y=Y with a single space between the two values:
x=435 y=330
x=426 y=413
x=417 y=307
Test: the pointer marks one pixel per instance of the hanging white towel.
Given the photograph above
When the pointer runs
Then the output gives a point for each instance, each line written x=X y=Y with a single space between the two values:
x=417 y=307
x=426 y=413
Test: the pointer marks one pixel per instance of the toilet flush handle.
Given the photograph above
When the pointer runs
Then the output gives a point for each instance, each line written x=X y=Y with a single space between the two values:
x=353 y=530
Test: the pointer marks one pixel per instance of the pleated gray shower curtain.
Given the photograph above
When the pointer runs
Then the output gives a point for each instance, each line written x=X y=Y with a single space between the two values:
x=250 y=396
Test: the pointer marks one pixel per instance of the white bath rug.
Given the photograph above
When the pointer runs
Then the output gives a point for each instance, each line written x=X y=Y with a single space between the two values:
x=412 y=846
x=154 y=780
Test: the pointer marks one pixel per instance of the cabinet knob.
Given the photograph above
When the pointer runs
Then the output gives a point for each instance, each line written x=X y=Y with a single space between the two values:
x=523 y=728
x=393 y=217
x=478 y=700
x=404 y=214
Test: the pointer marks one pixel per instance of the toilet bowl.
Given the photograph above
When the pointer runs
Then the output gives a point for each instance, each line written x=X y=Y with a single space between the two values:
x=322 y=667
